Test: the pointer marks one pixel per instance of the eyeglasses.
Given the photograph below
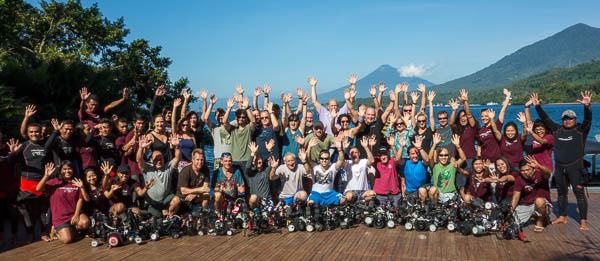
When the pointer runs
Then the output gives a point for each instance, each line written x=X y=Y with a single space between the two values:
x=344 y=121
x=422 y=121
x=264 y=118
x=442 y=118
x=323 y=158
x=444 y=155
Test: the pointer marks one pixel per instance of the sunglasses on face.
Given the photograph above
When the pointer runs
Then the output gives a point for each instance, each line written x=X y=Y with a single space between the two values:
x=323 y=158
x=442 y=118
x=294 y=120
x=422 y=121
x=444 y=155
x=406 y=110
x=264 y=118
x=567 y=118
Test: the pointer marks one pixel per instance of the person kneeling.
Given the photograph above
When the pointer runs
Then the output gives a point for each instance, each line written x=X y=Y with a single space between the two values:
x=323 y=176
x=229 y=183
x=192 y=185
x=532 y=187
x=66 y=201
x=444 y=170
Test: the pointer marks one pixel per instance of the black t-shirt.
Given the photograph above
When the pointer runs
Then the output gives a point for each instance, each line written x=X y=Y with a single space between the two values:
x=427 y=136
x=125 y=194
x=188 y=178
x=60 y=149
x=199 y=135
x=32 y=157
x=368 y=130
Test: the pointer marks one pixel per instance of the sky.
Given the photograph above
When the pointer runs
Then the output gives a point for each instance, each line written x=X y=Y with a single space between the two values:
x=218 y=44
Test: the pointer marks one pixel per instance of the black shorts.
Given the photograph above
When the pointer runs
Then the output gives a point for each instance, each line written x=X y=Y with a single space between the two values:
x=65 y=225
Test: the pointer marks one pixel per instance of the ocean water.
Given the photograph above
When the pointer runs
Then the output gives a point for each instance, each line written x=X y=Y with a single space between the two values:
x=553 y=110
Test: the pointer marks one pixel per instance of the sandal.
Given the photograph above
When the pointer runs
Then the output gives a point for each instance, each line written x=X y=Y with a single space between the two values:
x=538 y=229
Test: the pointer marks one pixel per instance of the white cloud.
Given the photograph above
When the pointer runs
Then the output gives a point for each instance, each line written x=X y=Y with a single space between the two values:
x=412 y=70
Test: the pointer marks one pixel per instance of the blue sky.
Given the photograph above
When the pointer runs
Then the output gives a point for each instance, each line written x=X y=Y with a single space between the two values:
x=217 y=44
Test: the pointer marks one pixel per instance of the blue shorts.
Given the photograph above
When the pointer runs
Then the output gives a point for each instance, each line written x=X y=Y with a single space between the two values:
x=328 y=198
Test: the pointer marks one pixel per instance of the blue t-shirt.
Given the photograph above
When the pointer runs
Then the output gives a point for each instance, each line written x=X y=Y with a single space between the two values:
x=265 y=135
x=289 y=142
x=415 y=175
x=229 y=186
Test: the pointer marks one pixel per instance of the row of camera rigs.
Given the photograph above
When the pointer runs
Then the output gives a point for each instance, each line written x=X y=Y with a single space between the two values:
x=467 y=218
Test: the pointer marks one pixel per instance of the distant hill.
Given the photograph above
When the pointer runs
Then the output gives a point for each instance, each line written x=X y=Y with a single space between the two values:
x=384 y=73
x=577 y=44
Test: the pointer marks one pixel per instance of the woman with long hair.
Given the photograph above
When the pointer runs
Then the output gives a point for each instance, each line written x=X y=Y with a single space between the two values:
x=67 y=194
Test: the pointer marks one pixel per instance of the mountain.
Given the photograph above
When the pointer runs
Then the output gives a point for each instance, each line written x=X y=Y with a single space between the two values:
x=385 y=73
x=577 y=44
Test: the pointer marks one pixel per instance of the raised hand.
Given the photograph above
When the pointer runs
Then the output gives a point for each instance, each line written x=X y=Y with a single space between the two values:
x=414 y=96
x=491 y=114
x=382 y=87
x=338 y=141
x=299 y=140
x=125 y=93
x=257 y=91
x=421 y=88
x=586 y=98
x=529 y=102
x=529 y=127
x=269 y=145
x=436 y=138
x=464 y=95
x=213 y=99
x=312 y=81
x=398 y=88
x=531 y=160
x=364 y=142
x=454 y=163
x=174 y=140
x=507 y=93
x=55 y=124
x=402 y=141
x=361 y=111
x=372 y=140
x=230 y=103
x=273 y=162
x=176 y=102
x=352 y=80
x=84 y=94
x=391 y=140
x=49 y=169
x=145 y=142
x=302 y=155
x=404 y=86
x=431 y=96
x=13 y=145
x=352 y=92
x=418 y=141
x=373 y=90
x=334 y=114
x=77 y=183
x=392 y=117
x=454 y=104
x=30 y=110
x=160 y=90
x=269 y=107
x=534 y=98
x=239 y=89
x=245 y=103
x=313 y=142
x=392 y=95
x=203 y=94
x=405 y=116
x=347 y=94
x=521 y=117
x=299 y=92
x=456 y=140
x=305 y=98
x=267 y=89
x=115 y=187
x=186 y=94
x=253 y=147
x=106 y=167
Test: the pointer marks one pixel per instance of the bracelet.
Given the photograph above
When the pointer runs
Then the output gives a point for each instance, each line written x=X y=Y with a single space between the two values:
x=266 y=96
x=304 y=104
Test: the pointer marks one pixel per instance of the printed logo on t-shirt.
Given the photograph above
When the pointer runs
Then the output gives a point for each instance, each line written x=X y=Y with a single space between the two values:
x=485 y=133
x=68 y=189
x=38 y=152
x=570 y=138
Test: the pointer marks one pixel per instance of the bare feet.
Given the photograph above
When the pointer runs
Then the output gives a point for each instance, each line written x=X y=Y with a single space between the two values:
x=560 y=220
x=47 y=238
x=584 y=226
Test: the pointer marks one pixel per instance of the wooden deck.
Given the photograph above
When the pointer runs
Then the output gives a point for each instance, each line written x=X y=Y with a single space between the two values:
x=558 y=242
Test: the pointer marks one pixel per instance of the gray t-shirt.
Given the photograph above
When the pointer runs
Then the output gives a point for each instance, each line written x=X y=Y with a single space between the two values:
x=222 y=140
x=258 y=181
x=291 y=180
x=162 y=177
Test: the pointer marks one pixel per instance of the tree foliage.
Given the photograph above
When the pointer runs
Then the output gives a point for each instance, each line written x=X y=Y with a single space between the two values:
x=48 y=53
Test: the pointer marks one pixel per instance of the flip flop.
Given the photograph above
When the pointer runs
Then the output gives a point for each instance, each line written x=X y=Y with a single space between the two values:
x=584 y=229
x=538 y=229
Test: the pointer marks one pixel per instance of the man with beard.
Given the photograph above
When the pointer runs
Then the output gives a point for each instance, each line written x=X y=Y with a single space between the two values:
x=89 y=109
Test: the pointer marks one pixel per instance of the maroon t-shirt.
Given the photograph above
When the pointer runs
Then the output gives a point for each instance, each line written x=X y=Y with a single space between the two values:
x=512 y=150
x=130 y=160
x=467 y=140
x=97 y=201
x=506 y=188
x=530 y=189
x=124 y=194
x=543 y=152
x=120 y=142
x=478 y=189
x=88 y=155
x=63 y=200
x=486 y=139
x=91 y=118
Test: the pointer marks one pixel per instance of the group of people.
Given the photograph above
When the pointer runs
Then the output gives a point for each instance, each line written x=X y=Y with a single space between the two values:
x=65 y=170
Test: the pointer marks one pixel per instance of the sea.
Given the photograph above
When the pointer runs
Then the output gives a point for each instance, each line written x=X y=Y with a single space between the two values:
x=553 y=110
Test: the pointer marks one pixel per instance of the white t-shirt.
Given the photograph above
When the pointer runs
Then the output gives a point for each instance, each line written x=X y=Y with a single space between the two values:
x=323 y=180
x=290 y=180
x=356 y=175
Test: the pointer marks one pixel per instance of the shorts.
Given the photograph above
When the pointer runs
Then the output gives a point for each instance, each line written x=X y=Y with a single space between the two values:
x=524 y=212
x=444 y=197
x=289 y=200
x=155 y=207
x=383 y=199
x=64 y=225
x=327 y=198
x=189 y=206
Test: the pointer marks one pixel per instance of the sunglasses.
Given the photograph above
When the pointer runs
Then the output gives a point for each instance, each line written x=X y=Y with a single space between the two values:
x=406 y=110
x=422 y=121
x=443 y=118
x=264 y=118
x=444 y=155
x=567 y=118
x=185 y=125
x=293 y=120
x=323 y=158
